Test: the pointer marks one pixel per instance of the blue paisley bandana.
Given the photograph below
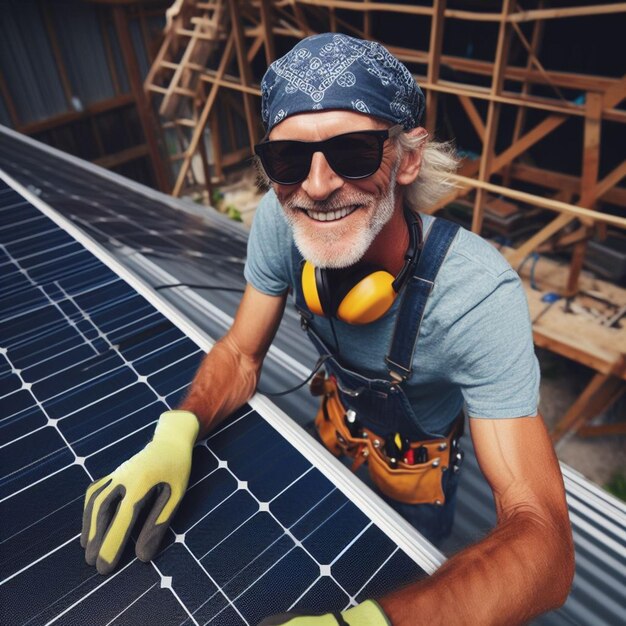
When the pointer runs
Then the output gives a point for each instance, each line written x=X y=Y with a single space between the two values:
x=335 y=71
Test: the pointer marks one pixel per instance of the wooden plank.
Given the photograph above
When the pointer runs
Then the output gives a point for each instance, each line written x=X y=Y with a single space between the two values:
x=56 y=52
x=244 y=71
x=143 y=108
x=531 y=102
x=493 y=113
x=434 y=63
x=533 y=136
x=196 y=51
x=558 y=180
x=610 y=180
x=266 y=27
x=67 y=118
x=366 y=6
x=569 y=210
x=550 y=14
x=230 y=83
x=520 y=116
x=474 y=116
x=601 y=389
x=589 y=179
x=130 y=154
x=9 y=104
x=202 y=120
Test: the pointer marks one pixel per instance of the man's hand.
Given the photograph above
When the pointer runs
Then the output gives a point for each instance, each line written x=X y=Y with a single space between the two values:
x=368 y=613
x=113 y=503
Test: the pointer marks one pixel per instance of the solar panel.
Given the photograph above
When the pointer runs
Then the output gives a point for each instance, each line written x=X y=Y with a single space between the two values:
x=116 y=212
x=87 y=363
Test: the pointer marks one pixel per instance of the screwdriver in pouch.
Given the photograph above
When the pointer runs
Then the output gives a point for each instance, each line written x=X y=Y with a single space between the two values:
x=352 y=423
x=393 y=449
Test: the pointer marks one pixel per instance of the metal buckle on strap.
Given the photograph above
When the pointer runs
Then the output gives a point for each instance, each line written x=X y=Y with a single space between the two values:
x=396 y=375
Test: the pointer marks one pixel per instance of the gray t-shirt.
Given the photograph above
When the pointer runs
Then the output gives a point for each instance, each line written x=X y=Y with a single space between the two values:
x=475 y=345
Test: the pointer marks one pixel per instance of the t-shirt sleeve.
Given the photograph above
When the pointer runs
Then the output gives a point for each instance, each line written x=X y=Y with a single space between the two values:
x=491 y=346
x=269 y=249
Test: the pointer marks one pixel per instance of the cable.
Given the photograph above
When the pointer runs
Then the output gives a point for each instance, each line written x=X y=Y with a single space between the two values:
x=194 y=286
x=318 y=364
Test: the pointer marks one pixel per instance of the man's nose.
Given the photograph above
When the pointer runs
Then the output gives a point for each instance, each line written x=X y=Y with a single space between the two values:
x=322 y=180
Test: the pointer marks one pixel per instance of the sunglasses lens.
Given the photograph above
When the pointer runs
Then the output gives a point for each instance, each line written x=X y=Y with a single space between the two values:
x=354 y=155
x=285 y=162
x=351 y=155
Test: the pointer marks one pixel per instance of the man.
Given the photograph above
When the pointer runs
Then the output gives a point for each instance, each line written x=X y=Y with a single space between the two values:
x=349 y=165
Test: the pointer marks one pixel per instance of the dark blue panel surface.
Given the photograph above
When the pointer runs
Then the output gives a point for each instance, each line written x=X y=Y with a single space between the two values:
x=86 y=367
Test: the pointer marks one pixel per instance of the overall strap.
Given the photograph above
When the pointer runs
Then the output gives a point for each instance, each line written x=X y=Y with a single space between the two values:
x=297 y=261
x=416 y=292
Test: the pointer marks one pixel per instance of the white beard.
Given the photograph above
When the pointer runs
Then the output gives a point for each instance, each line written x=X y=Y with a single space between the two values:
x=343 y=245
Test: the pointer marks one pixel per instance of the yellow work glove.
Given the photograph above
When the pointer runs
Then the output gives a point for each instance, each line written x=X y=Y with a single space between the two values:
x=113 y=503
x=368 y=613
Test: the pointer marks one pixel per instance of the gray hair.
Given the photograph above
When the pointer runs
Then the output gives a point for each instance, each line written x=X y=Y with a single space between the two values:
x=439 y=159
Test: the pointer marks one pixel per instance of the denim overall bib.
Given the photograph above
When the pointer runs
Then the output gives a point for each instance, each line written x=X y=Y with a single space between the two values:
x=381 y=404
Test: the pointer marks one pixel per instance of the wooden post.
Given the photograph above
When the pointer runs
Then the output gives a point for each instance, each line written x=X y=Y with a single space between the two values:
x=244 y=72
x=434 y=63
x=520 y=117
x=493 y=113
x=266 y=27
x=143 y=108
x=588 y=181
x=58 y=57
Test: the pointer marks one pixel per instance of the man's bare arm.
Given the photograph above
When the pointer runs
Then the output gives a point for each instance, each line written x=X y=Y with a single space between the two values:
x=526 y=565
x=228 y=375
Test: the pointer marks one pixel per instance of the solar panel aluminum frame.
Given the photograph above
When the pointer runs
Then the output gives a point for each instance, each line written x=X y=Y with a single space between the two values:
x=422 y=552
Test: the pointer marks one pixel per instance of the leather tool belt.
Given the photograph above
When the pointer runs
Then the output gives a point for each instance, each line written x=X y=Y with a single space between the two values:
x=412 y=483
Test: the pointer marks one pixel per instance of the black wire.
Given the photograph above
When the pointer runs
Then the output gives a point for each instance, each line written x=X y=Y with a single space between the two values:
x=194 y=286
x=318 y=364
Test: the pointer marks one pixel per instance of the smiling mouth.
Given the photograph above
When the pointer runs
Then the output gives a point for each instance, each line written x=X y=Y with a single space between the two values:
x=331 y=216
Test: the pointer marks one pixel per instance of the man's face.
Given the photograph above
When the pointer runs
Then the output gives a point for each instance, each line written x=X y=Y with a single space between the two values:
x=335 y=220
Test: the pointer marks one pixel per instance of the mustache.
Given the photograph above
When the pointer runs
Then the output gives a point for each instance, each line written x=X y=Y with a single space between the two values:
x=333 y=203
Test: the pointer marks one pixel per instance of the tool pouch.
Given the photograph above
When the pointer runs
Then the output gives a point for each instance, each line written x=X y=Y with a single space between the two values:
x=419 y=483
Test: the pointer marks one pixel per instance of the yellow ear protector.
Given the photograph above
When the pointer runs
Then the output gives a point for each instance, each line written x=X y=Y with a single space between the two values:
x=362 y=293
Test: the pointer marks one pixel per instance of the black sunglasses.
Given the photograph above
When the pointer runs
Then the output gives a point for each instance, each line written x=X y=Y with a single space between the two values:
x=351 y=155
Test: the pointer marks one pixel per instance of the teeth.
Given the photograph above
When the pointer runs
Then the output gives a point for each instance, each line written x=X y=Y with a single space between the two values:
x=330 y=216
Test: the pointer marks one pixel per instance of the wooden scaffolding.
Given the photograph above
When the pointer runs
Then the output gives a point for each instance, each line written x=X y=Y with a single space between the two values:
x=205 y=81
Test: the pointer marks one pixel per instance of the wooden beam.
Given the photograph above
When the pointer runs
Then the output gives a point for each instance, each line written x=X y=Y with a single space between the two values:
x=550 y=14
x=601 y=389
x=130 y=154
x=58 y=56
x=588 y=182
x=610 y=180
x=434 y=63
x=8 y=101
x=143 y=108
x=493 y=113
x=266 y=27
x=103 y=106
x=533 y=136
x=474 y=116
x=204 y=116
x=568 y=211
x=244 y=72
x=520 y=116
x=558 y=180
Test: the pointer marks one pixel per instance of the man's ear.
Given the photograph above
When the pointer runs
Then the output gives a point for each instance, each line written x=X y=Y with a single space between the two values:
x=411 y=161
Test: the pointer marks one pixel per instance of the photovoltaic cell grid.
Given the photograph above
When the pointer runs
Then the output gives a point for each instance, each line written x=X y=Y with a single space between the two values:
x=86 y=367
x=116 y=216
